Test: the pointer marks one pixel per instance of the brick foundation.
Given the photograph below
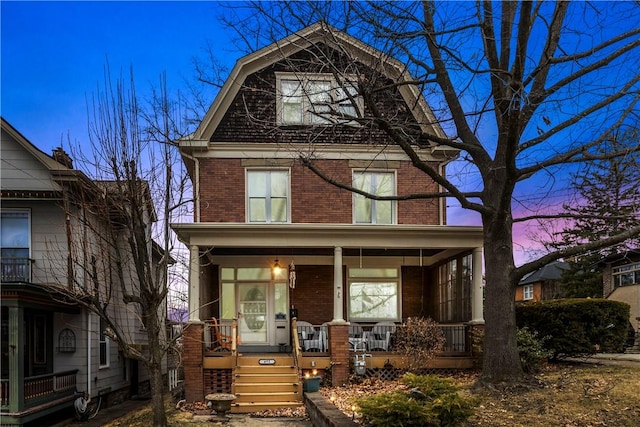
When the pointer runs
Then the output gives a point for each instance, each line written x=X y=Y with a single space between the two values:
x=192 y=359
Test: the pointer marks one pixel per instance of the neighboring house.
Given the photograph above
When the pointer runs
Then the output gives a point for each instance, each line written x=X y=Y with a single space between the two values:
x=51 y=347
x=543 y=283
x=621 y=281
x=271 y=240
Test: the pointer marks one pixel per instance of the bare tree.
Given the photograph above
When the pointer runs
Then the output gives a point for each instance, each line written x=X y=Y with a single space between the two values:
x=523 y=91
x=121 y=250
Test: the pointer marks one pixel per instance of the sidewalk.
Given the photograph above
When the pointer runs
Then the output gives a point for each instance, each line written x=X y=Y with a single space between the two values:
x=617 y=359
x=110 y=414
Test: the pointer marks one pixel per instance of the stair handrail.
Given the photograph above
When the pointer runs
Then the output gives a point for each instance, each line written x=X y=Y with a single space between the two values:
x=297 y=354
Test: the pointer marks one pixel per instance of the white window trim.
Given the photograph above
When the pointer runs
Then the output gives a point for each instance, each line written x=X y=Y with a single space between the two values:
x=397 y=279
x=306 y=114
x=246 y=192
x=394 y=203
x=527 y=292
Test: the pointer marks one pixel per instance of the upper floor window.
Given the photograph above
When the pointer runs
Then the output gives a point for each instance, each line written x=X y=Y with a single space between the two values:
x=15 y=243
x=316 y=99
x=369 y=211
x=527 y=292
x=626 y=275
x=268 y=196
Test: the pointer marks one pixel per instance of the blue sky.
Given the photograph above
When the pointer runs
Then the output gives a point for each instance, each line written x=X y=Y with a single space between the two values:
x=54 y=53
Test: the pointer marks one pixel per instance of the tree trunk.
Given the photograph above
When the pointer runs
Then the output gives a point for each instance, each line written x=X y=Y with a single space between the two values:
x=155 y=370
x=501 y=360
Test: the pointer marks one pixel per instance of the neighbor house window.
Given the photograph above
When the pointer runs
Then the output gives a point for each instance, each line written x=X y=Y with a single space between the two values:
x=527 y=292
x=104 y=345
x=374 y=294
x=268 y=196
x=14 y=238
x=369 y=211
x=316 y=99
x=626 y=275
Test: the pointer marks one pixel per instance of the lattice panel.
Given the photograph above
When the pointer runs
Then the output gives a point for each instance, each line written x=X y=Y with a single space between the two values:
x=217 y=380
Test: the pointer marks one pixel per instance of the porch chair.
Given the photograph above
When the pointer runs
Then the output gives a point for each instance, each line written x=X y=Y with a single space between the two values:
x=380 y=336
x=324 y=336
x=223 y=341
x=357 y=337
x=309 y=337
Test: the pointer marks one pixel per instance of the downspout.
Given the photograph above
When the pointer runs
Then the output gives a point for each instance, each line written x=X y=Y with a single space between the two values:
x=88 y=354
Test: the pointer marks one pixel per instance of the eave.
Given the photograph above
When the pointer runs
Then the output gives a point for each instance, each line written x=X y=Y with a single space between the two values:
x=328 y=236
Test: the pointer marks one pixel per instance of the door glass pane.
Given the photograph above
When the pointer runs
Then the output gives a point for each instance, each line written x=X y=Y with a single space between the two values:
x=227 y=273
x=253 y=322
x=280 y=298
x=248 y=273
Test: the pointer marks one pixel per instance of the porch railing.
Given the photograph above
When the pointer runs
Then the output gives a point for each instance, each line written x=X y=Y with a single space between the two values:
x=41 y=388
x=219 y=337
x=378 y=338
x=15 y=269
x=4 y=392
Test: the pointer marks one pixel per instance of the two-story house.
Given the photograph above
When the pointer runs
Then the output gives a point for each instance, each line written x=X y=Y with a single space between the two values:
x=272 y=240
x=52 y=348
x=621 y=282
x=542 y=284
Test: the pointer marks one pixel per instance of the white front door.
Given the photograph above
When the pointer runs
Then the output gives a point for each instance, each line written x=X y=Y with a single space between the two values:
x=255 y=314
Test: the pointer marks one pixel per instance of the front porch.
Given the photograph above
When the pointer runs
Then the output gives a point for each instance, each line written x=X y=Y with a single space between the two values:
x=353 y=285
x=35 y=397
x=225 y=367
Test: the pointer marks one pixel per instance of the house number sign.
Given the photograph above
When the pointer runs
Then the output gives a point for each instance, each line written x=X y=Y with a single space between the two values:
x=267 y=361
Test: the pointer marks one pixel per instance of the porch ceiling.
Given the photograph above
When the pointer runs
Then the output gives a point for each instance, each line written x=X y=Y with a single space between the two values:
x=328 y=236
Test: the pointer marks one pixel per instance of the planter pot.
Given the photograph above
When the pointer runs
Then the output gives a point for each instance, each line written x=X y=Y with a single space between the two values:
x=311 y=384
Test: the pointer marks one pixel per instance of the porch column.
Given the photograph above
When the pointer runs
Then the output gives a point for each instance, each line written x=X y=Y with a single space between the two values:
x=477 y=309
x=338 y=288
x=194 y=284
x=16 y=359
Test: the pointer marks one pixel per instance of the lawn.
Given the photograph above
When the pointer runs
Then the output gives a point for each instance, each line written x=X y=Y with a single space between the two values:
x=563 y=395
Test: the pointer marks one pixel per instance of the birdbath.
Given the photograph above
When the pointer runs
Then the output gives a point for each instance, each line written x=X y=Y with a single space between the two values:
x=221 y=404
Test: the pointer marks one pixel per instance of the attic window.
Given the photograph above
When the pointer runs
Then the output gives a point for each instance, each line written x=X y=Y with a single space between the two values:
x=316 y=99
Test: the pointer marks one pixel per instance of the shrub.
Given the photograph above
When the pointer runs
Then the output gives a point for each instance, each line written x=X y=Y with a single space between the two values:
x=577 y=327
x=432 y=401
x=531 y=349
x=418 y=340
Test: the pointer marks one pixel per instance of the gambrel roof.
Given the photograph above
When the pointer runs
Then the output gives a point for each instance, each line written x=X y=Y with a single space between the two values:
x=317 y=33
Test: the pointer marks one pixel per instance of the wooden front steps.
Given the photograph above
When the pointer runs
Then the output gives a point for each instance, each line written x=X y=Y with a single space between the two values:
x=260 y=387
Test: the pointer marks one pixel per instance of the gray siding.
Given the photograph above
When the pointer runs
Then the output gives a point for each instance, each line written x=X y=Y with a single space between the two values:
x=20 y=170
